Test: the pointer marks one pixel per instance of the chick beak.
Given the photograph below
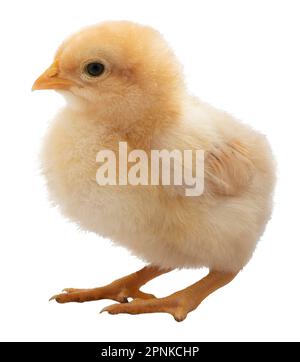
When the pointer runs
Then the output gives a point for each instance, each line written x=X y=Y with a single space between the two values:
x=50 y=80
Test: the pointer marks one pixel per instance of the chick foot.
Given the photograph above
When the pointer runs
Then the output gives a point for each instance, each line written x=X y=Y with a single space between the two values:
x=119 y=290
x=169 y=305
x=178 y=304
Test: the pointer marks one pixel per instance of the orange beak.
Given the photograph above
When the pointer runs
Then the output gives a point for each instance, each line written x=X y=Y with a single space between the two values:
x=50 y=79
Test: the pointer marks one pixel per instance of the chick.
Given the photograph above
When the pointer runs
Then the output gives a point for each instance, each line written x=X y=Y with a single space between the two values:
x=123 y=84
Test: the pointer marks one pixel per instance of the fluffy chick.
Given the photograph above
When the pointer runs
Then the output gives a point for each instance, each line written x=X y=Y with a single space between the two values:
x=137 y=94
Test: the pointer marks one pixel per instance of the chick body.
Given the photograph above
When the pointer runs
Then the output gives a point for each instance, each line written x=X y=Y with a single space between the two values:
x=168 y=230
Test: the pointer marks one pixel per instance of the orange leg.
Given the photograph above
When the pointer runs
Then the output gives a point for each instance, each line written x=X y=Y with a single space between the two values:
x=119 y=290
x=178 y=304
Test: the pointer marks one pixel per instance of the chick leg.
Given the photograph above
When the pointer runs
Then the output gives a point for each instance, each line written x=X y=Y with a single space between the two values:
x=119 y=290
x=178 y=304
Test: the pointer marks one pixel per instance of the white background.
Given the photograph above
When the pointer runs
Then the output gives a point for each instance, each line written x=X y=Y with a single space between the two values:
x=241 y=56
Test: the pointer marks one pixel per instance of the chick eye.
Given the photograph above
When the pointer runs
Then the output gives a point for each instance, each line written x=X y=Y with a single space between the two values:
x=94 y=69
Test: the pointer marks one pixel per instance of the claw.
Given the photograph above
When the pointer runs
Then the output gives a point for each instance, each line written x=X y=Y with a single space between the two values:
x=109 y=309
x=103 y=310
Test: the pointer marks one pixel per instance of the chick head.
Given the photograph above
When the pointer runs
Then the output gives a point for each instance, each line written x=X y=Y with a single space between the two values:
x=113 y=64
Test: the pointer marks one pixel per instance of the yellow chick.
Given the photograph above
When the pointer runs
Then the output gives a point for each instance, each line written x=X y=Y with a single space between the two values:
x=123 y=84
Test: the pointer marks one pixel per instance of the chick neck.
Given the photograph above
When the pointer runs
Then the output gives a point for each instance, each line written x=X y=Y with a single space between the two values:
x=137 y=122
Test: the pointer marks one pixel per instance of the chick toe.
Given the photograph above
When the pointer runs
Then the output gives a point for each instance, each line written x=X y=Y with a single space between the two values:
x=154 y=305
